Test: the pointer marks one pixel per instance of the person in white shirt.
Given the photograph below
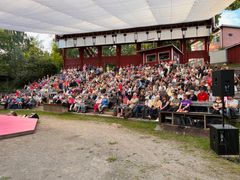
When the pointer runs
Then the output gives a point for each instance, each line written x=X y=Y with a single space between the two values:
x=231 y=107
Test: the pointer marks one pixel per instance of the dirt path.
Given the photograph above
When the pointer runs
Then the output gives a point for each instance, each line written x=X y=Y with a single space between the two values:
x=89 y=150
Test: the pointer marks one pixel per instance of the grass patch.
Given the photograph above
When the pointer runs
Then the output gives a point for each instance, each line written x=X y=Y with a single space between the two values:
x=5 y=178
x=112 y=158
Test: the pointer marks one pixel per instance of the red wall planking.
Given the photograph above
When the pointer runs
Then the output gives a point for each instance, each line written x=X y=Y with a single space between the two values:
x=233 y=54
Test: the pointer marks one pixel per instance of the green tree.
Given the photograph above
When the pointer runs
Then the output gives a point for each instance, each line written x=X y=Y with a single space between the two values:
x=234 y=6
x=72 y=53
x=109 y=50
x=56 y=57
x=128 y=49
x=22 y=60
x=148 y=45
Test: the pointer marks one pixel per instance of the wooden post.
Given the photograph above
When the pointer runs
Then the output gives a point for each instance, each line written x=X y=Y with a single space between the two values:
x=205 y=122
x=172 y=118
x=184 y=51
x=207 y=43
x=118 y=53
x=64 y=58
x=81 y=56
x=99 y=55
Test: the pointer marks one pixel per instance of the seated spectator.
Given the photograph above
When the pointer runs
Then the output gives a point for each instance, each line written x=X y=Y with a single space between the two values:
x=123 y=106
x=184 y=104
x=134 y=100
x=231 y=107
x=19 y=102
x=202 y=95
x=217 y=106
x=71 y=103
x=154 y=106
x=80 y=105
x=97 y=103
x=180 y=94
x=139 y=108
x=104 y=104
x=192 y=96
x=174 y=103
x=165 y=103
x=112 y=100
x=31 y=103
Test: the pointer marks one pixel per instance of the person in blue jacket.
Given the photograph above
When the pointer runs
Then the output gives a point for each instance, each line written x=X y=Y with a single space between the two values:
x=104 y=104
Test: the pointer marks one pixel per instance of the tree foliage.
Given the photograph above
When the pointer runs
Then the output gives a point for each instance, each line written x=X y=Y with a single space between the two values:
x=109 y=50
x=128 y=49
x=23 y=61
x=234 y=6
x=72 y=53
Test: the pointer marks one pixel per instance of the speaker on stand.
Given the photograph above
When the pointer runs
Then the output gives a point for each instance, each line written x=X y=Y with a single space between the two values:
x=224 y=139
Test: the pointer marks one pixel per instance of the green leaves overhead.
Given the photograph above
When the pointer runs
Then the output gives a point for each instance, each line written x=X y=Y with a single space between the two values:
x=23 y=61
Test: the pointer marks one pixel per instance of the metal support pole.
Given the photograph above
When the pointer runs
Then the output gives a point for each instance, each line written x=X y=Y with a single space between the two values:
x=223 y=105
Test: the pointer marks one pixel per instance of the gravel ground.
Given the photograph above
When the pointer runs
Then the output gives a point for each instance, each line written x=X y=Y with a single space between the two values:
x=66 y=149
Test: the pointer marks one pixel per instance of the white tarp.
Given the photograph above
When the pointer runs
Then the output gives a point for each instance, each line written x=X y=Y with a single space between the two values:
x=80 y=16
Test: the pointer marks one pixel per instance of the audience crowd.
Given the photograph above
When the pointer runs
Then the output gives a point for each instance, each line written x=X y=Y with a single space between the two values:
x=140 y=91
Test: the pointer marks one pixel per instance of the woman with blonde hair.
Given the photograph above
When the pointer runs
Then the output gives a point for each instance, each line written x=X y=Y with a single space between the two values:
x=154 y=105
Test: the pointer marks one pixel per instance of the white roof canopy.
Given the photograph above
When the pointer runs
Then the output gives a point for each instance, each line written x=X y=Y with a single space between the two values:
x=82 y=16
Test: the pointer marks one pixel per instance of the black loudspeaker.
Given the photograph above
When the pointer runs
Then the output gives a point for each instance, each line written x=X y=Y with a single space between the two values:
x=223 y=83
x=224 y=140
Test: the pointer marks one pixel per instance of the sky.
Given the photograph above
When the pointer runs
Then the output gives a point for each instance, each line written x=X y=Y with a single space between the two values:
x=227 y=18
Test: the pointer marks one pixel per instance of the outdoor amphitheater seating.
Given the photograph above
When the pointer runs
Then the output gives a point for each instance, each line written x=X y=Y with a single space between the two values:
x=130 y=91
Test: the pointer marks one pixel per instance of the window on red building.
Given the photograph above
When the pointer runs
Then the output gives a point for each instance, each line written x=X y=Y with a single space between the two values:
x=151 y=58
x=164 y=56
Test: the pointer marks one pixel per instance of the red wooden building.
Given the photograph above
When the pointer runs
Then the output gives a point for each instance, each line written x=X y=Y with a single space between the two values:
x=168 y=53
x=90 y=46
x=92 y=28
x=233 y=53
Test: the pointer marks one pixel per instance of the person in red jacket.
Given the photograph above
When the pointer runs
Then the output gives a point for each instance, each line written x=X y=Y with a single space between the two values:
x=202 y=95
